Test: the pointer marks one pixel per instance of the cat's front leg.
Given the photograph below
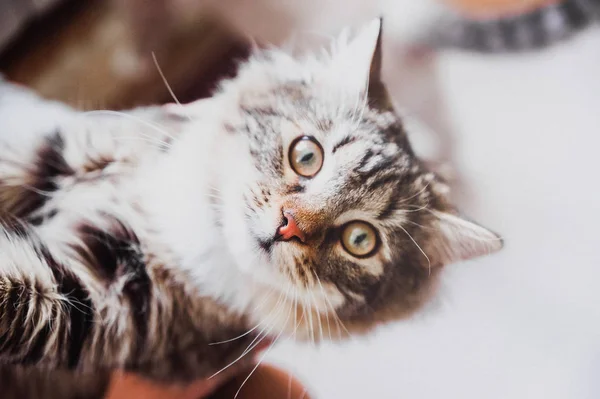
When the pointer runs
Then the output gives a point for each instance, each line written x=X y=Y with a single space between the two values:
x=144 y=318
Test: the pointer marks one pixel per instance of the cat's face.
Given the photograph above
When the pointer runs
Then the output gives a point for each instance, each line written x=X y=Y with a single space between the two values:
x=330 y=209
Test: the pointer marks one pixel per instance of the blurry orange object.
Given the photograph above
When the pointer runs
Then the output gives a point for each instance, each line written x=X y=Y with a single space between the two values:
x=267 y=382
x=497 y=7
x=129 y=386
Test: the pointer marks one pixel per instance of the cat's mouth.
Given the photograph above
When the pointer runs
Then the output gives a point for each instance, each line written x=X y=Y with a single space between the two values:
x=267 y=245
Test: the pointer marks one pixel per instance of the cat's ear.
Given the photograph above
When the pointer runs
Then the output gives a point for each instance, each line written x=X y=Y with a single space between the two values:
x=377 y=91
x=358 y=65
x=456 y=239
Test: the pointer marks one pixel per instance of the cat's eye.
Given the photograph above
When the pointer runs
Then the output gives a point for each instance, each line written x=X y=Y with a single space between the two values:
x=359 y=239
x=306 y=156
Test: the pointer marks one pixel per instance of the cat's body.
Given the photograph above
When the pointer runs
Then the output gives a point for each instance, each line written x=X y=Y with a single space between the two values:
x=289 y=204
x=76 y=242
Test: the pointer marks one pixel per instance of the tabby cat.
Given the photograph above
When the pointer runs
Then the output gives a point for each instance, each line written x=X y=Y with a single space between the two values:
x=169 y=240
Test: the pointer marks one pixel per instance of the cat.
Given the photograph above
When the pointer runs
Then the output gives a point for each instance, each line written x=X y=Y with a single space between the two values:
x=167 y=240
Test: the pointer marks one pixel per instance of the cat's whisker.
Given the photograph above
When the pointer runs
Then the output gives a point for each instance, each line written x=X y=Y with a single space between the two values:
x=307 y=310
x=302 y=316
x=318 y=315
x=149 y=137
x=295 y=309
x=286 y=297
x=339 y=321
x=263 y=356
x=48 y=194
x=417 y=224
x=417 y=208
x=274 y=312
x=310 y=321
x=403 y=200
x=313 y=332
x=326 y=310
x=152 y=125
x=249 y=349
x=419 y=247
x=252 y=329
x=329 y=306
x=168 y=86
x=261 y=335
x=314 y=312
x=297 y=321
x=157 y=143
x=329 y=309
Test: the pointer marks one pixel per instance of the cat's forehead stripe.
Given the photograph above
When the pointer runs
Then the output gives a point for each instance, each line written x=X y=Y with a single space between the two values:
x=343 y=142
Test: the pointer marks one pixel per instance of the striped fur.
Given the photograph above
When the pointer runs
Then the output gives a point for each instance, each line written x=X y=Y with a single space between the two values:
x=146 y=240
x=81 y=290
x=534 y=30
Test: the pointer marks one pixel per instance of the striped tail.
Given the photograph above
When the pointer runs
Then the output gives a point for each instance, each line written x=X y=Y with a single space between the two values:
x=532 y=31
x=45 y=312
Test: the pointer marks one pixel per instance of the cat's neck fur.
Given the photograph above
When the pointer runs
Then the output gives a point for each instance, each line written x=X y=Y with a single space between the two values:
x=182 y=195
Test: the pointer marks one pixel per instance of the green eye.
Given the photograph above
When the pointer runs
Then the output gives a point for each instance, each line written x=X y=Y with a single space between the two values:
x=359 y=239
x=306 y=156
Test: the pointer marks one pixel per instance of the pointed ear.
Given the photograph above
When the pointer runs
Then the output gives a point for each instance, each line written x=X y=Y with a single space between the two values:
x=377 y=91
x=457 y=239
x=357 y=66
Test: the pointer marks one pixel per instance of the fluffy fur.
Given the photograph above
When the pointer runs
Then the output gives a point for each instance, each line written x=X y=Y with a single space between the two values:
x=147 y=241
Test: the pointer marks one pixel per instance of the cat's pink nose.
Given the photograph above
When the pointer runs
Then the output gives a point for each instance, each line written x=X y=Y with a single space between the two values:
x=289 y=229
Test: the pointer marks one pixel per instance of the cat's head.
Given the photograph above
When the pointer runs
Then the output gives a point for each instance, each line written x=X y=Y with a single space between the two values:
x=324 y=202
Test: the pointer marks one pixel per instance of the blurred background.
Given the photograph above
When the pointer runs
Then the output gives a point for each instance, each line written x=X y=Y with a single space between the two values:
x=518 y=134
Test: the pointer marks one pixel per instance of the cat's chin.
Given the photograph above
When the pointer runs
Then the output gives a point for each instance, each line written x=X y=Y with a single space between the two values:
x=303 y=324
